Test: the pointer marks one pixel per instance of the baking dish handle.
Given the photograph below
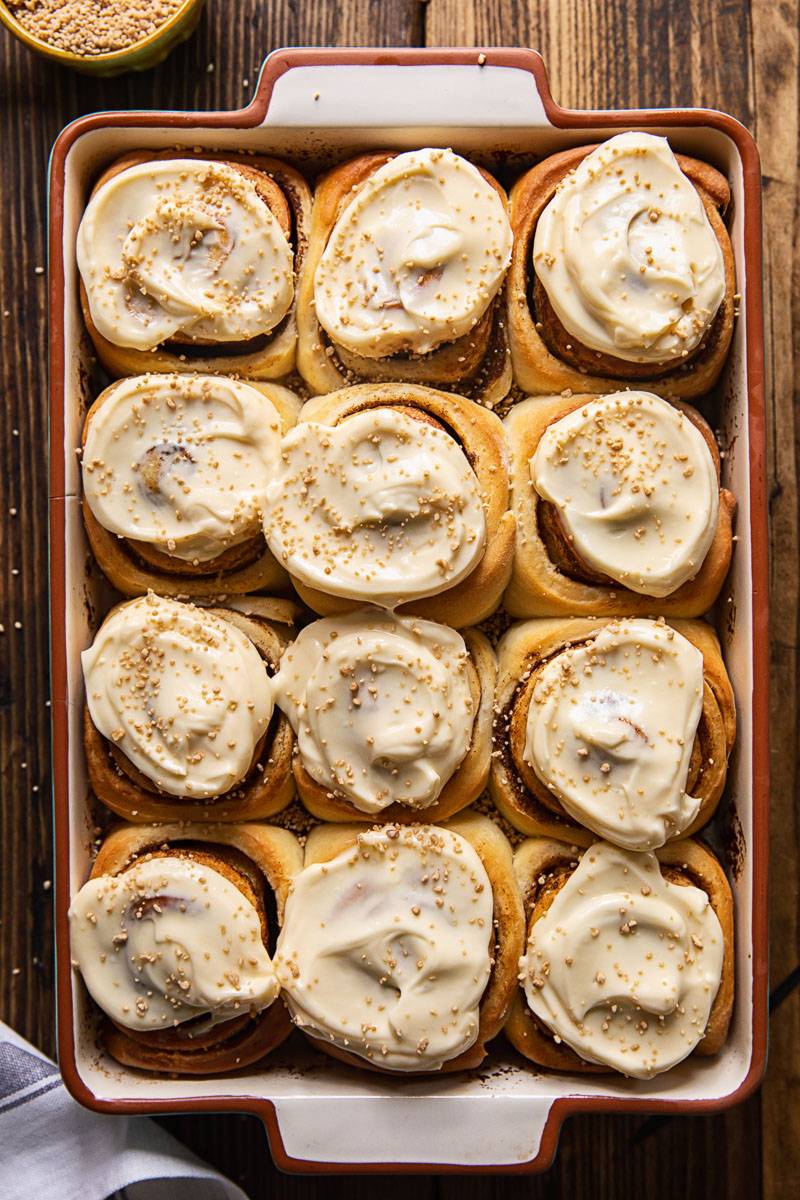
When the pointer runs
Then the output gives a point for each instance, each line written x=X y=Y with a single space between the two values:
x=351 y=89
x=383 y=1132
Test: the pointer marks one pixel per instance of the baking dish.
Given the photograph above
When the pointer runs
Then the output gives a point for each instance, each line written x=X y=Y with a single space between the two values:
x=496 y=108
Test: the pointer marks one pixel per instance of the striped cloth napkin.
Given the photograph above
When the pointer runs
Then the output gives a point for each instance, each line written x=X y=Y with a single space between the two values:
x=52 y=1149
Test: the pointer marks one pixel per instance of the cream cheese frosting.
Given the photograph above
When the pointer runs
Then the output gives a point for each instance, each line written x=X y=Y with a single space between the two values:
x=183 y=246
x=181 y=462
x=415 y=258
x=627 y=255
x=182 y=693
x=636 y=489
x=381 y=706
x=624 y=966
x=610 y=730
x=169 y=940
x=384 y=950
x=381 y=508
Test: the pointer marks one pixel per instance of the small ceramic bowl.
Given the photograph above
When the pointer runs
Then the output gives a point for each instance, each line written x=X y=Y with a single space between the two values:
x=139 y=57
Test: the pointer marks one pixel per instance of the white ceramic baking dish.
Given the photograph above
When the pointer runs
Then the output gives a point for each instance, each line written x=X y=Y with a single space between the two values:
x=315 y=107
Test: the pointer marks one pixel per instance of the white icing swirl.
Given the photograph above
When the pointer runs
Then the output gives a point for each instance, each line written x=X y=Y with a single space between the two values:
x=167 y=941
x=636 y=489
x=381 y=706
x=624 y=967
x=627 y=255
x=381 y=507
x=183 y=246
x=181 y=462
x=415 y=258
x=610 y=731
x=384 y=950
x=182 y=693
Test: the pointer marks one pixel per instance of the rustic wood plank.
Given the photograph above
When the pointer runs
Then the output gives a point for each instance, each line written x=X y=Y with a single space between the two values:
x=619 y=54
x=775 y=44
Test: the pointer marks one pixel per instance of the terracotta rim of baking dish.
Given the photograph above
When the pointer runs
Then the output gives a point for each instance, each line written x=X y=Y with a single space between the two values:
x=531 y=61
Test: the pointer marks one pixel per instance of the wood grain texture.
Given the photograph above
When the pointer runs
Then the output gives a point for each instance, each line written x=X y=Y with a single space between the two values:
x=729 y=54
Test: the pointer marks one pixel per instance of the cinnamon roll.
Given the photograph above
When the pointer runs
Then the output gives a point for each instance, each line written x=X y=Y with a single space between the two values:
x=174 y=472
x=618 y=507
x=629 y=960
x=400 y=944
x=622 y=271
x=192 y=261
x=395 y=495
x=616 y=729
x=174 y=934
x=392 y=716
x=179 y=720
x=407 y=255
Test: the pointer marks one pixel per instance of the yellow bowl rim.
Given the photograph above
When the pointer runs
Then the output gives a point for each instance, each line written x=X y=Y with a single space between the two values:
x=111 y=58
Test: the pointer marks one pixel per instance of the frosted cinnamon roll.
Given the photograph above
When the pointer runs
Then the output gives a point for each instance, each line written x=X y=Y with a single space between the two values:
x=407 y=256
x=399 y=946
x=629 y=960
x=620 y=729
x=617 y=503
x=173 y=935
x=188 y=259
x=395 y=495
x=174 y=472
x=179 y=718
x=392 y=716
x=622 y=271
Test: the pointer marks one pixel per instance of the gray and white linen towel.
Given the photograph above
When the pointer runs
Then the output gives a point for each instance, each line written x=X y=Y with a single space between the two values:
x=52 y=1149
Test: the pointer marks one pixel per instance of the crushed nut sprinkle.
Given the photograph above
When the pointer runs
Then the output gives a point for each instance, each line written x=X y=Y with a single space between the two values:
x=92 y=27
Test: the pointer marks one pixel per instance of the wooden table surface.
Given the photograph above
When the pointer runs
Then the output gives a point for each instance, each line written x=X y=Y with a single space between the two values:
x=725 y=54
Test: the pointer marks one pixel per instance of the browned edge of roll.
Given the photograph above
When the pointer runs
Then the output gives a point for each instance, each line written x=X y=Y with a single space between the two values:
x=687 y=862
x=277 y=856
x=522 y=798
x=481 y=436
x=269 y=784
x=241 y=570
x=540 y=588
x=477 y=365
x=464 y=785
x=273 y=354
x=539 y=371
x=495 y=852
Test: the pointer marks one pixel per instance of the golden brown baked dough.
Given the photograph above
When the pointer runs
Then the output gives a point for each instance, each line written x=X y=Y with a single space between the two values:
x=520 y=795
x=260 y=861
x=545 y=358
x=136 y=567
x=480 y=434
x=494 y=850
x=542 y=867
x=549 y=578
x=477 y=365
x=268 y=786
x=463 y=787
x=271 y=356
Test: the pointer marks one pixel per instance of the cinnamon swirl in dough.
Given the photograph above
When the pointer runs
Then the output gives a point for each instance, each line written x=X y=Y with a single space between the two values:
x=392 y=716
x=622 y=271
x=619 y=729
x=186 y=258
x=394 y=495
x=629 y=961
x=397 y=949
x=174 y=472
x=618 y=504
x=172 y=935
x=179 y=711
x=406 y=258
